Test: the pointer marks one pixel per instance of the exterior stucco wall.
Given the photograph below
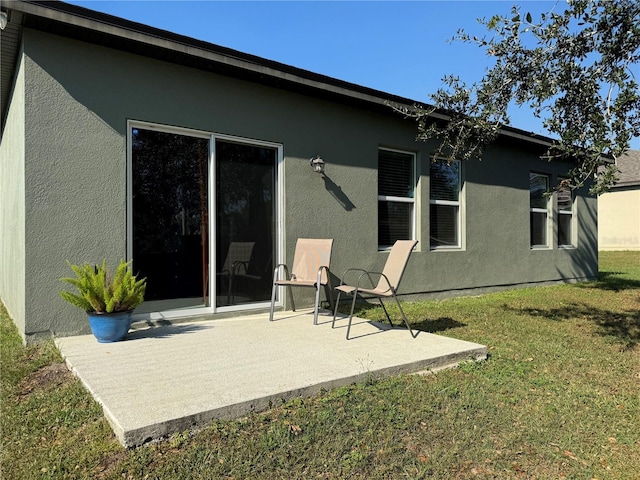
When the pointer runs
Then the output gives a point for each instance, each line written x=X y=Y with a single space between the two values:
x=619 y=219
x=75 y=190
x=496 y=230
x=12 y=206
x=80 y=96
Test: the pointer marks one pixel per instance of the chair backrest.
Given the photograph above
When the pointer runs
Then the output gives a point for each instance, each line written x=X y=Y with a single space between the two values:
x=396 y=263
x=310 y=255
x=238 y=252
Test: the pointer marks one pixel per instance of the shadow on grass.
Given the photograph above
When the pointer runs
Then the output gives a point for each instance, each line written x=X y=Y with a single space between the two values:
x=437 y=325
x=612 y=281
x=624 y=326
x=429 y=325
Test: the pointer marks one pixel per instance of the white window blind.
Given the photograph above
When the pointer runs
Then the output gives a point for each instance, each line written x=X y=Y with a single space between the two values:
x=396 y=188
x=444 y=199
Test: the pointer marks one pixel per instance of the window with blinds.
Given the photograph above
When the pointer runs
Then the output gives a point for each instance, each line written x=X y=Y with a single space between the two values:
x=444 y=200
x=538 y=209
x=396 y=202
x=565 y=217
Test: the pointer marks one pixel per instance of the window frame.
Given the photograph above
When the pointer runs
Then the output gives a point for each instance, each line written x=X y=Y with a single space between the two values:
x=566 y=212
x=545 y=211
x=450 y=203
x=397 y=199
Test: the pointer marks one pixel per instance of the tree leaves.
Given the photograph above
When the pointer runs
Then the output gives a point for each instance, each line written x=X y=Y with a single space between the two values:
x=573 y=69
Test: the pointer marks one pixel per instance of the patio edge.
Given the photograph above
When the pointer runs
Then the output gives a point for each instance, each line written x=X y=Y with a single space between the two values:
x=161 y=430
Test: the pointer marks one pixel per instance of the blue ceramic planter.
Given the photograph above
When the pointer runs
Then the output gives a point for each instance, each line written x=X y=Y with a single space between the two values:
x=110 y=327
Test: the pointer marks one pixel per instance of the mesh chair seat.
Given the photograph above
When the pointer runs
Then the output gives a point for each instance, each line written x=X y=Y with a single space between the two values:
x=348 y=289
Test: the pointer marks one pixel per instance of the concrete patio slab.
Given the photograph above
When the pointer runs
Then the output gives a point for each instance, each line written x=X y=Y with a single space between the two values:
x=166 y=379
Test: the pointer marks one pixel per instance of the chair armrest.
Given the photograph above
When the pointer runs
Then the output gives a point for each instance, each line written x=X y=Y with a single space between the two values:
x=379 y=275
x=319 y=280
x=363 y=273
x=235 y=268
x=277 y=270
x=348 y=271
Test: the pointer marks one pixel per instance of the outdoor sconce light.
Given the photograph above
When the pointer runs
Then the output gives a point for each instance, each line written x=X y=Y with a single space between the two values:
x=317 y=164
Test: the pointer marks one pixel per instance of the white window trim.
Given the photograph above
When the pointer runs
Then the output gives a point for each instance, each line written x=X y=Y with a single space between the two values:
x=412 y=200
x=572 y=239
x=570 y=211
x=547 y=211
x=387 y=198
x=548 y=225
x=450 y=203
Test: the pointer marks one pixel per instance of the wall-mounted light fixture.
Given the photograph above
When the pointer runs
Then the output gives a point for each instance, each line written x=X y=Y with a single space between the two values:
x=317 y=164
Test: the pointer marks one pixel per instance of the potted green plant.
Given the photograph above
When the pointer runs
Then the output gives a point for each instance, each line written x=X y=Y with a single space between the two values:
x=108 y=299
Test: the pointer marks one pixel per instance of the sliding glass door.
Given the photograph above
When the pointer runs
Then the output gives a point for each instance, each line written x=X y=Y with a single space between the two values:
x=170 y=198
x=245 y=222
x=203 y=216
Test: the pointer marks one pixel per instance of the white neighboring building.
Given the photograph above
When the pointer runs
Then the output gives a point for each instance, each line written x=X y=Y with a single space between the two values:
x=619 y=209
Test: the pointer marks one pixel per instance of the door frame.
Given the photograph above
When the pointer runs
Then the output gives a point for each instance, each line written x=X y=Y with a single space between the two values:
x=279 y=209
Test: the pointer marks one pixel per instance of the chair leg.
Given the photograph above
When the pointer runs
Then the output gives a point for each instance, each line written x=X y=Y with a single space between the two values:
x=328 y=290
x=273 y=292
x=293 y=305
x=315 y=312
x=385 y=311
x=404 y=317
x=353 y=306
x=273 y=300
x=335 y=310
x=318 y=286
x=229 y=290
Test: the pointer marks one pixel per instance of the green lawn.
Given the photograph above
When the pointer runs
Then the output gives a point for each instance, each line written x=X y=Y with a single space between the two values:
x=559 y=397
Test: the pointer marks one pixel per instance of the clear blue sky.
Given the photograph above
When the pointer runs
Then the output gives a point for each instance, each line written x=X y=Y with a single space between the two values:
x=399 y=47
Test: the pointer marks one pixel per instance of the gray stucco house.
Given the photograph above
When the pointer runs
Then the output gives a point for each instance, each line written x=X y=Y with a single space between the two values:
x=124 y=141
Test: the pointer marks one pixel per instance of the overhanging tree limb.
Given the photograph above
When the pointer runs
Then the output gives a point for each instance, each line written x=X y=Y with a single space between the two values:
x=573 y=69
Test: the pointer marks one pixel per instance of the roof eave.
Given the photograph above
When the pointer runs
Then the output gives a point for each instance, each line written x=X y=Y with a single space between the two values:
x=84 y=24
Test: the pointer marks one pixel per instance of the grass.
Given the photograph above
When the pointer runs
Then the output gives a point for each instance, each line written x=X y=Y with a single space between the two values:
x=559 y=397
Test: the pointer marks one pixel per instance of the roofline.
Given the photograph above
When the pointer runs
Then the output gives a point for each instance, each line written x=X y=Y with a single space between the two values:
x=626 y=184
x=89 y=25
